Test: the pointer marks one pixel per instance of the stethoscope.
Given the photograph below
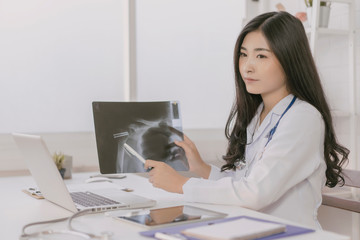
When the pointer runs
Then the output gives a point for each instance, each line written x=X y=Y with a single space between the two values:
x=273 y=130
x=240 y=164
x=69 y=231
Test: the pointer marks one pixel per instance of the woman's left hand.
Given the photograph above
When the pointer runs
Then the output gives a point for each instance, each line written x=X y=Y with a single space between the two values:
x=165 y=177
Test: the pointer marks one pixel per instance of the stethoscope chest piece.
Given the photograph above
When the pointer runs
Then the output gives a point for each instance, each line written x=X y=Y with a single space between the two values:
x=240 y=164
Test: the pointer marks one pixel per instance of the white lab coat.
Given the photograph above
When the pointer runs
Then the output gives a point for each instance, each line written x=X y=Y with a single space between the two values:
x=283 y=179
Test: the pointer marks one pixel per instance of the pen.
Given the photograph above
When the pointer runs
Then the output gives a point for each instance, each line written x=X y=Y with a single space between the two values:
x=164 y=236
x=134 y=153
x=110 y=175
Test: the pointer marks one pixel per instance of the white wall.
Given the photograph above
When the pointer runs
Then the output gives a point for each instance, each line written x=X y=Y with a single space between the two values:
x=56 y=58
x=185 y=52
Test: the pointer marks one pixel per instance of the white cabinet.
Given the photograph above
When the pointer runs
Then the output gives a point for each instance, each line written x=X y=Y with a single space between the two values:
x=315 y=33
x=350 y=113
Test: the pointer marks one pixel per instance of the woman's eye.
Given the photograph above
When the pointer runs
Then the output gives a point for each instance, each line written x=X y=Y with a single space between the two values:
x=261 y=56
x=242 y=54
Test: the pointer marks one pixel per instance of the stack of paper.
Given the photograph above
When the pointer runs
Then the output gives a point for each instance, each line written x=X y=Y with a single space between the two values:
x=242 y=229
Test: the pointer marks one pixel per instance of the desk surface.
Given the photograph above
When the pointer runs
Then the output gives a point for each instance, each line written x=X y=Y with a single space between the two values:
x=18 y=209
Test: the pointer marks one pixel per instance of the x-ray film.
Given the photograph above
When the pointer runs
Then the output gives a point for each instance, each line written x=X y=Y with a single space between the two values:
x=149 y=128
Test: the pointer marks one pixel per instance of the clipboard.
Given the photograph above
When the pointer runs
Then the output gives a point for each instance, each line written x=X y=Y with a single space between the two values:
x=291 y=230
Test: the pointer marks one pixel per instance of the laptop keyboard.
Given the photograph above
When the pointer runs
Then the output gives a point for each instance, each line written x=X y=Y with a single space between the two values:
x=88 y=199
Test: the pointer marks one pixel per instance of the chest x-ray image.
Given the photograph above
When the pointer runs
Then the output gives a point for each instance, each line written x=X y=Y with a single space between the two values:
x=149 y=128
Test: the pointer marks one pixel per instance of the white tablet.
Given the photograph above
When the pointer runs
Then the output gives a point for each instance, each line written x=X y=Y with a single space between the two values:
x=162 y=217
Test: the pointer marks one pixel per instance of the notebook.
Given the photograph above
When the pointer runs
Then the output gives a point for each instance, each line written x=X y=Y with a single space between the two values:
x=149 y=128
x=95 y=196
x=291 y=230
x=241 y=229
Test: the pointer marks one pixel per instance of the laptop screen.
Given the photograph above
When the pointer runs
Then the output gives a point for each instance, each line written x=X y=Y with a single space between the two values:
x=149 y=128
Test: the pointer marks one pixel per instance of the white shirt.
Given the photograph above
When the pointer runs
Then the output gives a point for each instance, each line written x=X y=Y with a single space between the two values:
x=284 y=178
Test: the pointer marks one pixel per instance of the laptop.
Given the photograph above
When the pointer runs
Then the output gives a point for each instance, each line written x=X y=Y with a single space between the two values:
x=98 y=197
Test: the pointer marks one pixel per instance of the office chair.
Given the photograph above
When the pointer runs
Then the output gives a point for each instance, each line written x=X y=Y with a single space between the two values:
x=348 y=202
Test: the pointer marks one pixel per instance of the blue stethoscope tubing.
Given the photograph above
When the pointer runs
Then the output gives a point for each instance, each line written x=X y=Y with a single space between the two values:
x=273 y=130
x=241 y=164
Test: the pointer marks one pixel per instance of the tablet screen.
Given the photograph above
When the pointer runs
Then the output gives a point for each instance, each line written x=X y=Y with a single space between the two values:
x=172 y=215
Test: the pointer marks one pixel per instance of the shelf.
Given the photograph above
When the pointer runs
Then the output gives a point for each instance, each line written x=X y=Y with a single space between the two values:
x=343 y=32
x=338 y=1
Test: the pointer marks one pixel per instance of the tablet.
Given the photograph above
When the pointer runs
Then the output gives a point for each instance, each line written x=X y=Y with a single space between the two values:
x=162 y=217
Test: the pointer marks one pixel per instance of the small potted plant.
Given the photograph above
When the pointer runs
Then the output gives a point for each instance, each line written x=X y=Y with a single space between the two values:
x=324 y=12
x=59 y=160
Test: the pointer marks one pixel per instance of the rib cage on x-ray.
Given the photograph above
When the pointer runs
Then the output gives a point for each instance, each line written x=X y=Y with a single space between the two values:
x=149 y=128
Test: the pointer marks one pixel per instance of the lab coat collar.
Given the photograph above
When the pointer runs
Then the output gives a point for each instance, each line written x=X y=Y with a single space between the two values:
x=282 y=105
x=272 y=117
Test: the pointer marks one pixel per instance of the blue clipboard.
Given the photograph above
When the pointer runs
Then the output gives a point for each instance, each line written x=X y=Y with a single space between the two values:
x=290 y=229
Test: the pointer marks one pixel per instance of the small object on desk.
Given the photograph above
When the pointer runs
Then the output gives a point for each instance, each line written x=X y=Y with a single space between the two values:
x=98 y=179
x=127 y=189
x=164 y=236
x=169 y=216
x=110 y=175
x=64 y=164
x=68 y=165
x=241 y=229
x=34 y=192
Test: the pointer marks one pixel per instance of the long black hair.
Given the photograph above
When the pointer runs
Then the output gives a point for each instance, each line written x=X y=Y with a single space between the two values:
x=287 y=39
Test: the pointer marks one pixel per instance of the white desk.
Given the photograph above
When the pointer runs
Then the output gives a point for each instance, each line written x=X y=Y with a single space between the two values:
x=18 y=209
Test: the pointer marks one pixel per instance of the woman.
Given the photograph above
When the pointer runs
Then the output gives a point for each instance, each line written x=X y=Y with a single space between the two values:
x=282 y=147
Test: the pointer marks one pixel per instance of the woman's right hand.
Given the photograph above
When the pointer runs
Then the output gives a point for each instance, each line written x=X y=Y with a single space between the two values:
x=196 y=164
